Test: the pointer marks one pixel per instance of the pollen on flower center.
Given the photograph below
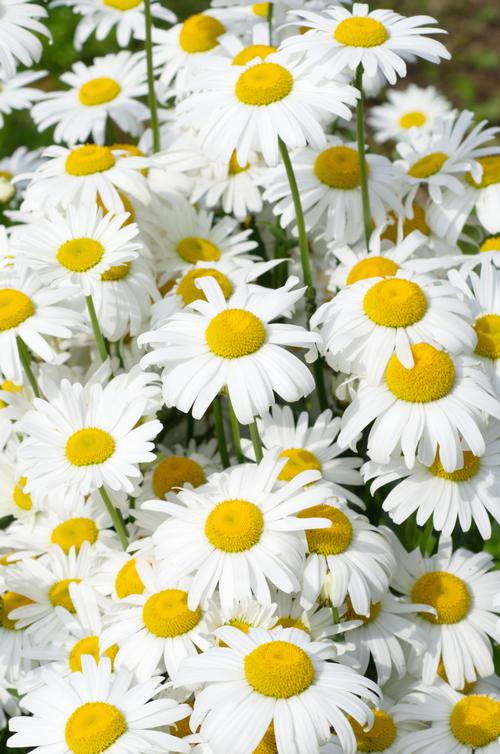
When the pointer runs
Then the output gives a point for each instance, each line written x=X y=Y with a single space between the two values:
x=381 y=735
x=395 y=303
x=488 y=336
x=446 y=593
x=263 y=84
x=73 y=533
x=89 y=446
x=417 y=222
x=199 y=33
x=174 y=472
x=428 y=165
x=15 y=308
x=80 y=254
x=475 y=720
x=469 y=469
x=234 y=333
x=372 y=267
x=415 y=118
x=338 y=168
x=261 y=9
x=491 y=172
x=122 y=4
x=492 y=243
x=88 y=646
x=193 y=250
x=351 y=614
x=89 y=159
x=299 y=459
x=59 y=595
x=234 y=525
x=268 y=743
x=94 y=727
x=289 y=622
x=234 y=166
x=361 y=31
x=166 y=614
x=431 y=378
x=117 y=272
x=189 y=292
x=21 y=498
x=11 y=601
x=99 y=91
x=128 y=581
x=279 y=669
x=251 y=52
x=333 y=540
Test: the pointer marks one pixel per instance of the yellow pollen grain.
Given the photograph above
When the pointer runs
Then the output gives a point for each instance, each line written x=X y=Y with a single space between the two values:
x=189 y=292
x=94 y=727
x=59 y=595
x=199 y=33
x=15 y=308
x=417 y=222
x=395 y=302
x=234 y=333
x=86 y=646
x=491 y=172
x=122 y=5
x=446 y=593
x=89 y=159
x=330 y=541
x=80 y=254
x=73 y=533
x=99 y=91
x=234 y=525
x=475 y=720
x=413 y=119
x=381 y=735
x=470 y=468
x=289 y=622
x=427 y=166
x=89 y=446
x=174 y=472
x=166 y=614
x=268 y=743
x=251 y=52
x=11 y=601
x=361 y=31
x=279 y=669
x=490 y=244
x=128 y=581
x=351 y=614
x=372 y=267
x=117 y=272
x=21 y=498
x=298 y=460
x=487 y=330
x=263 y=84
x=127 y=204
x=261 y=9
x=181 y=728
x=193 y=249
x=338 y=168
x=431 y=378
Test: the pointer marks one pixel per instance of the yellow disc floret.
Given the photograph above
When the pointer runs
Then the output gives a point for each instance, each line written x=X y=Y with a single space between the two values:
x=492 y=243
x=11 y=601
x=199 y=33
x=15 y=308
x=234 y=525
x=475 y=721
x=251 y=52
x=128 y=581
x=174 y=472
x=188 y=290
x=417 y=222
x=431 y=378
x=263 y=84
x=192 y=250
x=21 y=498
x=469 y=469
x=166 y=614
x=351 y=614
x=80 y=254
x=74 y=532
x=381 y=735
x=59 y=595
x=234 y=333
x=94 y=727
x=268 y=743
x=333 y=540
x=89 y=446
x=372 y=267
x=395 y=302
x=261 y=9
x=491 y=172
x=413 y=119
x=428 y=165
x=234 y=166
x=122 y=4
x=279 y=669
x=338 y=168
x=87 y=646
x=446 y=593
x=289 y=622
x=487 y=330
x=299 y=459
x=361 y=31
x=99 y=91
x=89 y=159
x=117 y=272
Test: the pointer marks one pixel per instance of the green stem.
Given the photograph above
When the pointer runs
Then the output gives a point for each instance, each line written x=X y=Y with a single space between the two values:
x=116 y=518
x=270 y=12
x=256 y=441
x=363 y=170
x=153 y=107
x=235 y=429
x=25 y=358
x=319 y=379
x=219 y=430
x=99 y=337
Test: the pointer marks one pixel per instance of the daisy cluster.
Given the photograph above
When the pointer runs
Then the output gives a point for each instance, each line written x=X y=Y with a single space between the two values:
x=249 y=388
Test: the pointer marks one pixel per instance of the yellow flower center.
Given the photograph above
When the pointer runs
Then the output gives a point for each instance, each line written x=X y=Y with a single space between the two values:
x=94 y=727
x=351 y=614
x=89 y=446
x=99 y=91
x=441 y=671
x=491 y=172
x=417 y=222
x=118 y=272
x=11 y=387
x=446 y=593
x=395 y=303
x=234 y=525
x=59 y=595
x=361 y=31
x=263 y=84
x=428 y=165
x=21 y=498
x=11 y=601
x=475 y=720
x=338 y=168
x=166 y=614
x=89 y=159
x=299 y=459
x=288 y=622
x=333 y=540
x=372 y=267
x=128 y=581
x=174 y=472
x=240 y=625
x=80 y=254
x=470 y=468
x=200 y=32
x=189 y=292
x=261 y=9
x=132 y=150
x=251 y=52
x=73 y=533
x=234 y=166
x=6 y=174
x=181 y=728
x=430 y=379
x=194 y=250
x=127 y=204
x=279 y=669
x=488 y=336
x=88 y=646
x=268 y=743
x=415 y=118
x=490 y=244
x=234 y=333
x=122 y=4
x=15 y=308
x=380 y=736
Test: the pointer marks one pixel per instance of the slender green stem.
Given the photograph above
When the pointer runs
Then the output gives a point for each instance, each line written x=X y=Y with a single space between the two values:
x=335 y=615
x=235 y=429
x=256 y=441
x=363 y=170
x=220 y=432
x=153 y=107
x=270 y=11
x=319 y=379
x=116 y=518
x=99 y=337
x=25 y=358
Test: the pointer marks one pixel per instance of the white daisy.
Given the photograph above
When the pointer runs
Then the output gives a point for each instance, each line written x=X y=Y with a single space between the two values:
x=14 y=501
x=410 y=110
x=317 y=622
x=243 y=614
x=18 y=43
x=14 y=642
x=15 y=94
x=20 y=162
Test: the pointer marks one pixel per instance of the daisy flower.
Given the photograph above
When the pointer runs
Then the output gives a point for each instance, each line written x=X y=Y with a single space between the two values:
x=440 y=402
x=85 y=174
x=329 y=183
x=407 y=111
x=239 y=532
x=178 y=467
x=242 y=614
x=462 y=724
x=20 y=162
x=18 y=43
x=379 y=40
x=109 y=88
x=371 y=320
x=460 y=589
x=309 y=448
x=96 y=709
x=14 y=642
x=316 y=622
x=15 y=94
x=85 y=438
x=263 y=101
x=14 y=501
x=277 y=677
x=31 y=311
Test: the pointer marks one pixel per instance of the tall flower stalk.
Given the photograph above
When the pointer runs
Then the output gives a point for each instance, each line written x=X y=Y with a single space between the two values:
x=363 y=168
x=153 y=105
